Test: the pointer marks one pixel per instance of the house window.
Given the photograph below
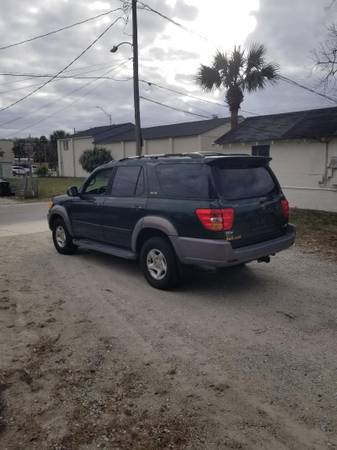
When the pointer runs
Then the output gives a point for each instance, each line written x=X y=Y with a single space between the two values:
x=65 y=145
x=261 y=150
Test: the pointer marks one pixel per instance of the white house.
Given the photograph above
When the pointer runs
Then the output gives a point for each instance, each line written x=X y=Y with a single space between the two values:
x=303 y=148
x=6 y=157
x=120 y=140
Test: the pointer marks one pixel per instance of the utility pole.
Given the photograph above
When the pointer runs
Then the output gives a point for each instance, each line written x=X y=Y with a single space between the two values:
x=139 y=139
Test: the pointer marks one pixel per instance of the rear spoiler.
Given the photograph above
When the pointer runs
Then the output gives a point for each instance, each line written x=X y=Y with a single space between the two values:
x=238 y=161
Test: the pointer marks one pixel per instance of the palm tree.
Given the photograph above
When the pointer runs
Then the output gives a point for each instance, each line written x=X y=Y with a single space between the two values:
x=238 y=72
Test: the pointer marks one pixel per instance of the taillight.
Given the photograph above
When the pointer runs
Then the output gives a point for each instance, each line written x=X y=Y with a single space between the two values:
x=210 y=218
x=216 y=219
x=285 y=208
x=228 y=218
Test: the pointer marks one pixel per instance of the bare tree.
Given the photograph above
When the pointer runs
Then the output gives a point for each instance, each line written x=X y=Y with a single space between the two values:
x=326 y=58
x=332 y=3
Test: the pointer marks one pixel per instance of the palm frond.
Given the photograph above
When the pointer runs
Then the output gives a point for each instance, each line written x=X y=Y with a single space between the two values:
x=254 y=80
x=257 y=79
x=208 y=77
x=255 y=57
x=220 y=62
x=235 y=67
x=271 y=72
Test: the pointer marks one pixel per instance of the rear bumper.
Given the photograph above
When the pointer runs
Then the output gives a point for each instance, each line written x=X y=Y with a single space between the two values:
x=221 y=254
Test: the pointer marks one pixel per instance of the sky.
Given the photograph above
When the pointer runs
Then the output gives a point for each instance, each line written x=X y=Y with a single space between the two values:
x=168 y=55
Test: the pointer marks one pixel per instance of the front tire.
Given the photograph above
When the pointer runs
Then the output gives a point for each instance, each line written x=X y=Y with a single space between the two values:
x=62 y=240
x=159 y=263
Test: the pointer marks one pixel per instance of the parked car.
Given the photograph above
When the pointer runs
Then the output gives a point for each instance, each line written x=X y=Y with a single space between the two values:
x=171 y=210
x=19 y=170
x=5 y=189
x=35 y=168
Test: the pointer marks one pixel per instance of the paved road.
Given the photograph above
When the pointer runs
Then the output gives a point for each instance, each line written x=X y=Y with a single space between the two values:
x=92 y=357
x=22 y=218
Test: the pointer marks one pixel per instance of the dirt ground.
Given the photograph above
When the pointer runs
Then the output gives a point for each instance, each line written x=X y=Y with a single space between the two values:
x=92 y=357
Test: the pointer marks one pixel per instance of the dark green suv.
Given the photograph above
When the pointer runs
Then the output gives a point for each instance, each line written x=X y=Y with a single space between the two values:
x=169 y=210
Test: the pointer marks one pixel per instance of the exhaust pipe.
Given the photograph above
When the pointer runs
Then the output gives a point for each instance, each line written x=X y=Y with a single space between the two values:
x=265 y=259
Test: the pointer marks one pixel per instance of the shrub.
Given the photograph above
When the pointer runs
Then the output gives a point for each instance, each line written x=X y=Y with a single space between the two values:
x=90 y=159
x=42 y=171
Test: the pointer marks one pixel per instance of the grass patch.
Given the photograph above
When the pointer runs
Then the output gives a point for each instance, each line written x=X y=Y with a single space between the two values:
x=51 y=186
x=316 y=231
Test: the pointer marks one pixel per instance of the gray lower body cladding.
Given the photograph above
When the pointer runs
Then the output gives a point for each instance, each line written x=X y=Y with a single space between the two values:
x=219 y=253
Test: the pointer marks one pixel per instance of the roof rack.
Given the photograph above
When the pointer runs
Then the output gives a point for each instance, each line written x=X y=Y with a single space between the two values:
x=164 y=155
x=184 y=155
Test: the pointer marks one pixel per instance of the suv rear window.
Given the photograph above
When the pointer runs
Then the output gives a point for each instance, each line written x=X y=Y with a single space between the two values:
x=250 y=182
x=183 y=180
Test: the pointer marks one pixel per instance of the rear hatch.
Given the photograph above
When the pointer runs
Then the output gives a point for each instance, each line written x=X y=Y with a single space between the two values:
x=248 y=185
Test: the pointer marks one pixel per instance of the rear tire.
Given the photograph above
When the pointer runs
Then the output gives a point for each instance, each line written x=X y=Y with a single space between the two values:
x=159 y=263
x=63 y=242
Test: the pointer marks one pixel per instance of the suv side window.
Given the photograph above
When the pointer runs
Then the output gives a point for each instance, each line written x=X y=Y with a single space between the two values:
x=183 y=180
x=125 y=181
x=98 y=183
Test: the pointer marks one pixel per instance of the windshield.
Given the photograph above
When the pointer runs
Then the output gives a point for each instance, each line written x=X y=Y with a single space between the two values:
x=250 y=182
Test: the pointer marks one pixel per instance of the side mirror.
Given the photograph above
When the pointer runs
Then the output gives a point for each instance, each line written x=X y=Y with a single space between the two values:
x=72 y=191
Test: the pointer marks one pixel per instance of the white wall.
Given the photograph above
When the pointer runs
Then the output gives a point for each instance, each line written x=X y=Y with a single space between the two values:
x=69 y=165
x=116 y=149
x=65 y=158
x=300 y=167
x=130 y=149
x=6 y=146
x=203 y=142
x=157 y=146
x=80 y=145
x=5 y=169
x=207 y=139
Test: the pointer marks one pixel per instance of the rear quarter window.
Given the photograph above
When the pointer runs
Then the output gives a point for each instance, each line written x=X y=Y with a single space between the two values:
x=183 y=180
x=250 y=182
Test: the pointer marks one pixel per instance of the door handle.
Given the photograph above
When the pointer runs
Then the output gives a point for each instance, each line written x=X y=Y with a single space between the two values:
x=138 y=206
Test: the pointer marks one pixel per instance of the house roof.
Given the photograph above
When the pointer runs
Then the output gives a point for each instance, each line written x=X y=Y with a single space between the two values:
x=164 y=131
x=109 y=130
x=311 y=124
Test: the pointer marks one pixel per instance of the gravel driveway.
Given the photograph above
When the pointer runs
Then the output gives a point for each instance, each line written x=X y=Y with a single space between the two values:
x=92 y=357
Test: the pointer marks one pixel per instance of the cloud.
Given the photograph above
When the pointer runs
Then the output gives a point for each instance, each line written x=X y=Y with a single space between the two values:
x=185 y=11
x=291 y=30
x=168 y=56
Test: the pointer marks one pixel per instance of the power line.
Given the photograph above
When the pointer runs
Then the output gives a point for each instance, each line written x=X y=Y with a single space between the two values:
x=64 y=107
x=71 y=70
x=78 y=76
x=174 y=109
x=149 y=8
x=296 y=83
x=70 y=93
x=62 y=70
x=287 y=79
x=60 y=109
x=19 y=88
x=150 y=83
x=59 y=29
x=62 y=77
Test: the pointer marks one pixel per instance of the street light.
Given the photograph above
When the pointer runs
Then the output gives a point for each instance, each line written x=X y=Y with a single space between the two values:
x=106 y=113
x=116 y=47
x=134 y=45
